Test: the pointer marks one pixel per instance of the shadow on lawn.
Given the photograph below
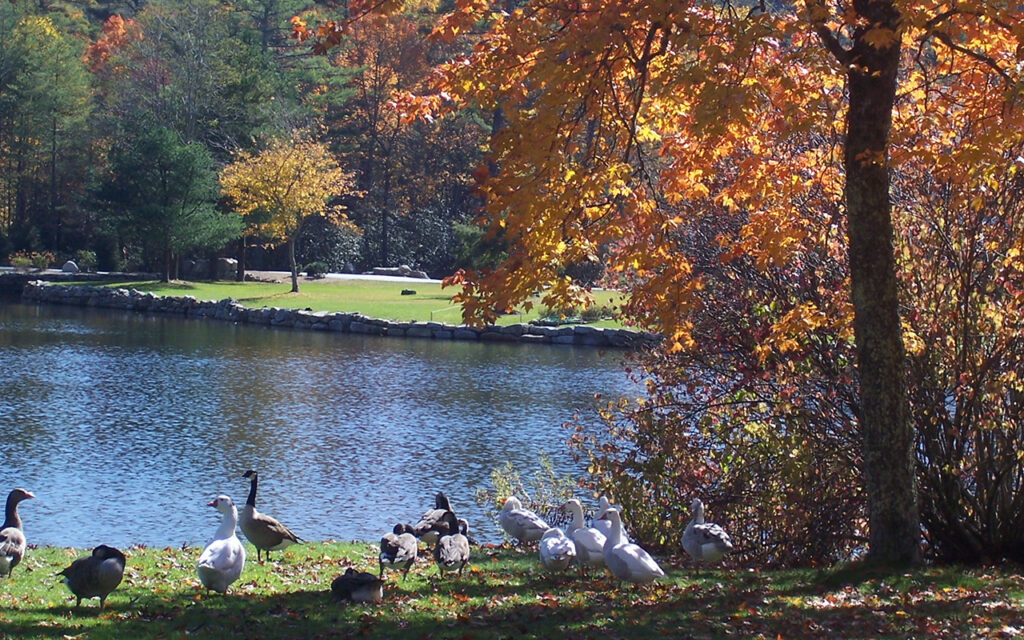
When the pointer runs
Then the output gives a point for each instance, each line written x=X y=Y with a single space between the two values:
x=518 y=600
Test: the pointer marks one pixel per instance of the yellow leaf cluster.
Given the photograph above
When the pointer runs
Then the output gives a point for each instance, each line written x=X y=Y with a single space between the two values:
x=288 y=180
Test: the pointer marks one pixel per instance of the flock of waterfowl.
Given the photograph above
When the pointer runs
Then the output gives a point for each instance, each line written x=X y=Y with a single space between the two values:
x=221 y=562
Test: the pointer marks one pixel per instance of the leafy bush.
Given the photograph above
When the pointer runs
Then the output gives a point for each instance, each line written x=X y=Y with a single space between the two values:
x=316 y=269
x=85 y=259
x=543 y=492
x=334 y=245
x=21 y=262
x=36 y=259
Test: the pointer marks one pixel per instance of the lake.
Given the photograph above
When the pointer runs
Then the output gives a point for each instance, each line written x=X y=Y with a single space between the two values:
x=125 y=425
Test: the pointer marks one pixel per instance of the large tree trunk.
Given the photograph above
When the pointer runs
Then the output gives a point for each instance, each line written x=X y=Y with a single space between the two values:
x=889 y=475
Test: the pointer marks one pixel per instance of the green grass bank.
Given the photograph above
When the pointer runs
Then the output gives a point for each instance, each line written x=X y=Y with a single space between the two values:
x=505 y=594
x=373 y=298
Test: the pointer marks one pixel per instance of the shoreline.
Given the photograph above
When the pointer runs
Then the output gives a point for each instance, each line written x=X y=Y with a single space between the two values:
x=228 y=310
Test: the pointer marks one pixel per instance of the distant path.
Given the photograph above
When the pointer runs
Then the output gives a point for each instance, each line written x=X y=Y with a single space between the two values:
x=285 y=276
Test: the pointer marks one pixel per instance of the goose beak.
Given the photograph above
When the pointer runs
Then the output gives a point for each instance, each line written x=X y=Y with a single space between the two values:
x=29 y=494
x=212 y=503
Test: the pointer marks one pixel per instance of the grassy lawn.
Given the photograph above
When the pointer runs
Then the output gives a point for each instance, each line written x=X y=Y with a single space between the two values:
x=504 y=594
x=376 y=299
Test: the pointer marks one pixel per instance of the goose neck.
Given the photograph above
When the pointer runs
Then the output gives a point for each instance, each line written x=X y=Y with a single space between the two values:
x=251 y=500
x=227 y=525
x=11 y=517
x=615 y=534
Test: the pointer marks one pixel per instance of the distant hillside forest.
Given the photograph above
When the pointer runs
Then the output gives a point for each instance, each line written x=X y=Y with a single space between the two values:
x=118 y=118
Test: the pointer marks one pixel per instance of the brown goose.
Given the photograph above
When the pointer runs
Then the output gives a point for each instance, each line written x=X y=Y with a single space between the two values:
x=357 y=586
x=12 y=539
x=95 y=576
x=452 y=549
x=265 y=533
x=432 y=523
x=398 y=549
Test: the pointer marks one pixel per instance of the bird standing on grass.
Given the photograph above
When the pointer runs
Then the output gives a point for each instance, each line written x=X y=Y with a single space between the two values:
x=221 y=562
x=96 y=575
x=12 y=538
x=265 y=533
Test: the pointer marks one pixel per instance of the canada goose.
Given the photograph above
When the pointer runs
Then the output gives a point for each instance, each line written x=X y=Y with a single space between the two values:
x=398 y=549
x=589 y=541
x=453 y=548
x=705 y=542
x=357 y=586
x=12 y=538
x=556 y=550
x=96 y=575
x=628 y=561
x=519 y=523
x=221 y=562
x=432 y=523
x=265 y=533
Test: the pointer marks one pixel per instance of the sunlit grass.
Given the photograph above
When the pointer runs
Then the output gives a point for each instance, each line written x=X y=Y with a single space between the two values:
x=502 y=594
x=376 y=299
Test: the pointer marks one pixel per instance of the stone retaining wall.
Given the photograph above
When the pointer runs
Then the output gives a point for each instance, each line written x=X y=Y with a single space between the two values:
x=231 y=311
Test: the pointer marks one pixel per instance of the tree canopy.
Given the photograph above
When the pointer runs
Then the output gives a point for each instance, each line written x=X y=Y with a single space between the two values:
x=677 y=140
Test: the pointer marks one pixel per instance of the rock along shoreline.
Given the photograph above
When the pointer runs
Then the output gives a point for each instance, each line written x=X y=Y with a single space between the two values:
x=228 y=310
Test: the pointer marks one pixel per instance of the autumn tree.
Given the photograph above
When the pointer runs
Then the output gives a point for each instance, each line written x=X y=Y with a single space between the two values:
x=623 y=121
x=414 y=175
x=290 y=180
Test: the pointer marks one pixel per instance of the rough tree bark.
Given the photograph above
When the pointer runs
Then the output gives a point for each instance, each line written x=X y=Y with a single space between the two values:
x=887 y=432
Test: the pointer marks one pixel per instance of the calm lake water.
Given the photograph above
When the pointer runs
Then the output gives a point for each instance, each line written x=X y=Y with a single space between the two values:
x=126 y=425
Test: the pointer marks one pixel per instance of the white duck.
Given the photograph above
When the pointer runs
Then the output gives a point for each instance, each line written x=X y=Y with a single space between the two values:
x=627 y=561
x=556 y=550
x=705 y=542
x=588 y=540
x=519 y=523
x=221 y=562
x=604 y=525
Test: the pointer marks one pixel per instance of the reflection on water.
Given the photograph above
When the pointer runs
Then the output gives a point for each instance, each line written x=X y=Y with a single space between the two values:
x=125 y=425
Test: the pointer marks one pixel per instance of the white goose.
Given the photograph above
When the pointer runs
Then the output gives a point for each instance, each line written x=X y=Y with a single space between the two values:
x=604 y=525
x=522 y=524
x=588 y=540
x=705 y=542
x=627 y=561
x=556 y=550
x=221 y=562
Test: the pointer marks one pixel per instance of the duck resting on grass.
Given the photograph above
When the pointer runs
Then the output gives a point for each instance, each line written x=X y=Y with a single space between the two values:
x=556 y=550
x=357 y=586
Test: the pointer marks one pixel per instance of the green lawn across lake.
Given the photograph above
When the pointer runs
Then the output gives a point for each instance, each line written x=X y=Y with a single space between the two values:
x=373 y=298
x=504 y=593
